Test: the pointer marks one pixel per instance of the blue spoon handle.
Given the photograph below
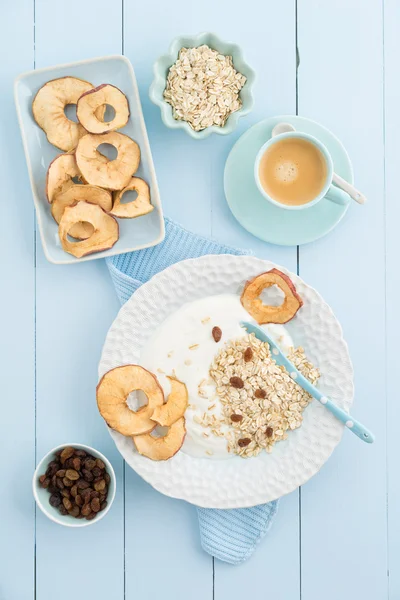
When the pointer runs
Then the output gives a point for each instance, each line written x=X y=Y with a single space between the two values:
x=354 y=426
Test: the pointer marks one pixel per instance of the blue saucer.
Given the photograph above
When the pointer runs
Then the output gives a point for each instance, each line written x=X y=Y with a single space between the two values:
x=264 y=220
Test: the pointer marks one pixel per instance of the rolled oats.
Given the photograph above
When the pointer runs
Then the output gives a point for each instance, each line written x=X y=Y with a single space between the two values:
x=203 y=87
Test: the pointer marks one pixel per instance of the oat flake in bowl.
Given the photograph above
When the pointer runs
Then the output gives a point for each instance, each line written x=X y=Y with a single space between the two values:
x=203 y=87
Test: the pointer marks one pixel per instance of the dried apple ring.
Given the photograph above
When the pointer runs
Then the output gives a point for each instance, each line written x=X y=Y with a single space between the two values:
x=271 y=314
x=138 y=207
x=89 y=103
x=112 y=392
x=76 y=193
x=60 y=175
x=162 y=448
x=104 y=236
x=48 y=111
x=112 y=174
x=175 y=406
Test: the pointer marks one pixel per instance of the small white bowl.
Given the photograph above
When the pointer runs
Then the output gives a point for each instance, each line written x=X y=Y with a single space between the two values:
x=42 y=496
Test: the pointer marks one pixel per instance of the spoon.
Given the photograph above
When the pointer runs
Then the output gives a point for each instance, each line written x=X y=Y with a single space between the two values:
x=280 y=359
x=336 y=179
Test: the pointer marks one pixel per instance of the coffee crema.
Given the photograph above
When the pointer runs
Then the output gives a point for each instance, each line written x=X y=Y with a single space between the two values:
x=293 y=171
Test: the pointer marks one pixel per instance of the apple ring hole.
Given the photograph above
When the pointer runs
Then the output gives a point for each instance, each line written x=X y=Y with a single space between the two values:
x=272 y=296
x=70 y=112
x=71 y=238
x=108 y=150
x=137 y=400
x=159 y=432
x=76 y=180
x=128 y=197
x=109 y=114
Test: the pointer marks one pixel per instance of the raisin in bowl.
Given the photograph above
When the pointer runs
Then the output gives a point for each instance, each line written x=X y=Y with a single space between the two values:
x=74 y=485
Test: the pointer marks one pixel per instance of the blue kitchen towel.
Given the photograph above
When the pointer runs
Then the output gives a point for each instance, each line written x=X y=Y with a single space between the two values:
x=230 y=535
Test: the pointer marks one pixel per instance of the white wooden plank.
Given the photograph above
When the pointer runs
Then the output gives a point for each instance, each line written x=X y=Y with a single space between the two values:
x=75 y=306
x=344 y=508
x=392 y=133
x=17 y=303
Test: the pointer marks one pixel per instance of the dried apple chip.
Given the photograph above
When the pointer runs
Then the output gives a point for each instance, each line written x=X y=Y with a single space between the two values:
x=89 y=103
x=175 y=407
x=105 y=229
x=110 y=174
x=112 y=392
x=271 y=314
x=162 y=448
x=77 y=193
x=48 y=110
x=138 y=207
x=60 y=175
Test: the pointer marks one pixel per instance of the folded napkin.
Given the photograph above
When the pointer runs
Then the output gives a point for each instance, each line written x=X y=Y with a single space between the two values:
x=230 y=535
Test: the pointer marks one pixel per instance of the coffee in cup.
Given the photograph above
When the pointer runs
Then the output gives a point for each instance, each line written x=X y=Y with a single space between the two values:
x=294 y=171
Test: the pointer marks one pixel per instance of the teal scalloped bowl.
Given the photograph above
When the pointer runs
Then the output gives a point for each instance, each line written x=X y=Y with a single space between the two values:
x=163 y=64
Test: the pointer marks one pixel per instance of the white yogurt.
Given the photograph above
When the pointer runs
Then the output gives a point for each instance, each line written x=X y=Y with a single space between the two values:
x=169 y=352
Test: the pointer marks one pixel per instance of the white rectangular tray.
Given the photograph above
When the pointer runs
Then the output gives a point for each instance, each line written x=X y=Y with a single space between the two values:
x=135 y=234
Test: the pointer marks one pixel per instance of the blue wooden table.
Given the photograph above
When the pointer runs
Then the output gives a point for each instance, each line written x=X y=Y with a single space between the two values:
x=337 y=537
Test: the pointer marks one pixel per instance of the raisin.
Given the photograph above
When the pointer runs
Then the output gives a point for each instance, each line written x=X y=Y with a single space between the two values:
x=41 y=479
x=79 y=500
x=269 y=432
x=60 y=473
x=248 y=354
x=100 y=464
x=87 y=475
x=95 y=505
x=55 y=500
x=86 y=494
x=67 y=482
x=236 y=382
x=74 y=511
x=91 y=516
x=107 y=478
x=99 y=485
x=46 y=482
x=103 y=505
x=236 y=418
x=52 y=468
x=74 y=491
x=54 y=481
x=52 y=489
x=68 y=463
x=217 y=334
x=80 y=454
x=72 y=475
x=76 y=464
x=96 y=472
x=82 y=484
x=260 y=394
x=65 y=493
x=243 y=442
x=62 y=509
x=66 y=453
x=67 y=503
x=94 y=494
x=59 y=483
x=86 y=510
x=90 y=464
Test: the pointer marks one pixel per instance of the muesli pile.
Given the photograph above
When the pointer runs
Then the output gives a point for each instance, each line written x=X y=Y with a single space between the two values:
x=260 y=400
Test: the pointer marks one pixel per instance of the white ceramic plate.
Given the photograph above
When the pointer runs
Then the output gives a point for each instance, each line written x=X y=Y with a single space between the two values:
x=236 y=482
x=135 y=234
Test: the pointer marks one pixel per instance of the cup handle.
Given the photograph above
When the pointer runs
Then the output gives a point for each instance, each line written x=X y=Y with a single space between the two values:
x=338 y=196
